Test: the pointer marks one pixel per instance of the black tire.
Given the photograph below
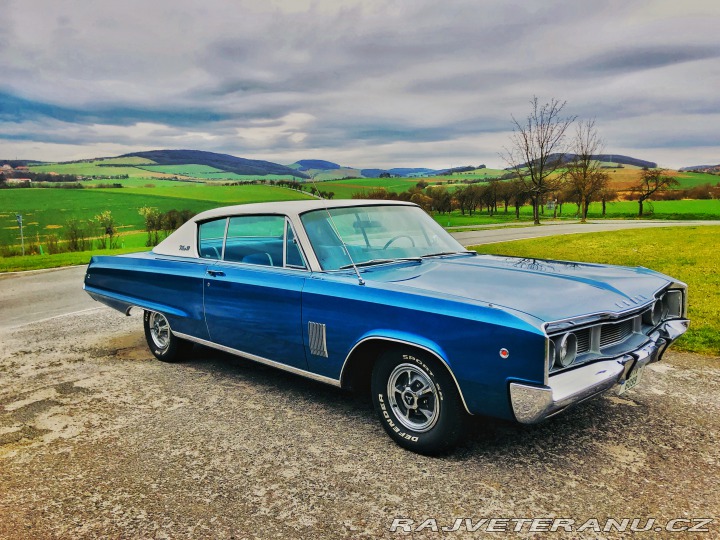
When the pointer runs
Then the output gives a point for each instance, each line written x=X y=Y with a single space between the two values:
x=424 y=413
x=164 y=345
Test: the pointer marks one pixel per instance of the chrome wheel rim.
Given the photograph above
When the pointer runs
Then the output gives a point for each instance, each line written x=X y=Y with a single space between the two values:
x=159 y=330
x=413 y=398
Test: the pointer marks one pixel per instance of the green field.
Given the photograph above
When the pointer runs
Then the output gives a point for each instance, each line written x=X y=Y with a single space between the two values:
x=206 y=172
x=344 y=189
x=688 y=180
x=686 y=253
x=147 y=182
x=109 y=167
x=45 y=211
x=685 y=209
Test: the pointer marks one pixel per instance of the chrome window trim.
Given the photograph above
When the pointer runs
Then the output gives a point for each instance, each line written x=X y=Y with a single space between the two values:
x=306 y=267
x=251 y=265
x=199 y=224
x=227 y=227
x=260 y=266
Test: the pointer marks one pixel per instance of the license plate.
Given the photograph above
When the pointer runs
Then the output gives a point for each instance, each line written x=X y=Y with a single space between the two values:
x=632 y=380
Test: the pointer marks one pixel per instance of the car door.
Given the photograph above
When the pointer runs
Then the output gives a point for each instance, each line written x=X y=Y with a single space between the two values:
x=253 y=292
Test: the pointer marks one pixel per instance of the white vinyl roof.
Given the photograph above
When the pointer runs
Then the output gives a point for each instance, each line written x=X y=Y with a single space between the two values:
x=290 y=208
x=183 y=242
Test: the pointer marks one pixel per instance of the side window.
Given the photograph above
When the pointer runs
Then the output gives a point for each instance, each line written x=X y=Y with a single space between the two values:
x=255 y=240
x=293 y=255
x=211 y=238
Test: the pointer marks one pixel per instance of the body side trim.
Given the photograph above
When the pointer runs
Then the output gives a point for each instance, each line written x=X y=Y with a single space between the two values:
x=261 y=360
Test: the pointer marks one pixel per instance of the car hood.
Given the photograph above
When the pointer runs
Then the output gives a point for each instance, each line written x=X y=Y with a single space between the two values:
x=545 y=289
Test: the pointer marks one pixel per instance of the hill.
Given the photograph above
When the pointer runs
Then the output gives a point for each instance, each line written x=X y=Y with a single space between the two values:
x=223 y=162
x=702 y=169
x=317 y=164
x=612 y=160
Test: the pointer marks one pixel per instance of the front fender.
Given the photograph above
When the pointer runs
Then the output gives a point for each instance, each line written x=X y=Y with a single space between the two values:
x=409 y=339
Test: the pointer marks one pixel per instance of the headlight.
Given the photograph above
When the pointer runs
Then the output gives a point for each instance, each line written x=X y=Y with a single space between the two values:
x=566 y=350
x=654 y=315
x=672 y=304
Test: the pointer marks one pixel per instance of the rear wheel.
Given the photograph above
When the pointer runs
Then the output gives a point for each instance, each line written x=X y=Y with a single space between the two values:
x=165 y=345
x=417 y=402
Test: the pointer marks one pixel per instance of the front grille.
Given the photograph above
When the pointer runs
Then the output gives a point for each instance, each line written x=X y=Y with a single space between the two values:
x=610 y=334
x=583 y=340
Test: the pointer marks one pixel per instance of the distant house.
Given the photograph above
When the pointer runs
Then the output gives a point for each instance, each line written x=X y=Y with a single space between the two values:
x=18 y=181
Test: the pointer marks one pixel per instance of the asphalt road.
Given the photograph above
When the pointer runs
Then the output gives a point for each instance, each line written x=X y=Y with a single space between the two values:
x=27 y=297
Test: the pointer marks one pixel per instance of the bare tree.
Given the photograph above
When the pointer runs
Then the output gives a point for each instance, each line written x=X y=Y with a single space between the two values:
x=651 y=182
x=583 y=172
x=537 y=147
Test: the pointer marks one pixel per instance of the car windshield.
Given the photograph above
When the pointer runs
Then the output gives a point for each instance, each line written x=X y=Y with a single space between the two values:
x=374 y=235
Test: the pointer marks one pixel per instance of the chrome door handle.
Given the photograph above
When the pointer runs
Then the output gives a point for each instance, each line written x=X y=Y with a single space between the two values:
x=216 y=273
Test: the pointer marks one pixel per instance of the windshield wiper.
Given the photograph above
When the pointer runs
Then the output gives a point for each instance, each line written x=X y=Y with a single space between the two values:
x=373 y=262
x=448 y=253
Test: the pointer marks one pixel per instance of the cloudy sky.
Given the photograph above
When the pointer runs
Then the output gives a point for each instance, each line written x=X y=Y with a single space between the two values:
x=364 y=83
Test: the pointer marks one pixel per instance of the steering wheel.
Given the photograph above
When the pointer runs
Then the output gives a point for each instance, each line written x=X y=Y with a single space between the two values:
x=398 y=237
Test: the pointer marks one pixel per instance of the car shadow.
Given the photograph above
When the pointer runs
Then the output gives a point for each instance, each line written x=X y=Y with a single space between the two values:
x=559 y=438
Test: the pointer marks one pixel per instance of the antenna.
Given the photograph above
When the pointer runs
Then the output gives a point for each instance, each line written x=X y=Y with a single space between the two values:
x=361 y=281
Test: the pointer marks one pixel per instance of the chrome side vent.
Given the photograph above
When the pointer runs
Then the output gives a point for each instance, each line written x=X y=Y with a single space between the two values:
x=316 y=335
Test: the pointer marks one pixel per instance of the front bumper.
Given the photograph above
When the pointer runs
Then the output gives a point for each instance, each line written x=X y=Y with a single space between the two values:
x=532 y=404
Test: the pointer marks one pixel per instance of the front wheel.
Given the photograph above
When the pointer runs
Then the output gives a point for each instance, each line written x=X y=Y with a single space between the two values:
x=165 y=345
x=417 y=402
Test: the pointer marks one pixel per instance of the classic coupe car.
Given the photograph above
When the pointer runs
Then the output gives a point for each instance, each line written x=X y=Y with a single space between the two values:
x=375 y=295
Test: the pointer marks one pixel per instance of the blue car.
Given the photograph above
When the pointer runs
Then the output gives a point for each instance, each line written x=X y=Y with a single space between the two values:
x=375 y=296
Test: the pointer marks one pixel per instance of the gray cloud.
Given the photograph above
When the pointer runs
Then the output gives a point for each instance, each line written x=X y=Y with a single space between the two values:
x=370 y=82
x=631 y=59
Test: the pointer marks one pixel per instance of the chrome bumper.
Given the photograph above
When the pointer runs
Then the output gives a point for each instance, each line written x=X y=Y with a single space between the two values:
x=532 y=404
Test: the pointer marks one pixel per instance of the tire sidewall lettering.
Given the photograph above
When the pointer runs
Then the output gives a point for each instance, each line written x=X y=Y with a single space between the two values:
x=393 y=425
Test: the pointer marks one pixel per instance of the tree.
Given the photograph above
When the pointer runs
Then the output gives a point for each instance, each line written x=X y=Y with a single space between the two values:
x=537 y=147
x=153 y=224
x=441 y=200
x=505 y=192
x=107 y=226
x=76 y=235
x=519 y=195
x=584 y=173
x=651 y=182
x=605 y=195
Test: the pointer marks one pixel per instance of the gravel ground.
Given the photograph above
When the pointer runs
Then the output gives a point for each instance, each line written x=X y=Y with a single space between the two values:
x=97 y=439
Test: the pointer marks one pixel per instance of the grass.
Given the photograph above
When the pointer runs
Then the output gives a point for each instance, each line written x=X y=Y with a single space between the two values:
x=688 y=180
x=137 y=168
x=344 y=189
x=670 y=210
x=686 y=253
x=45 y=211
x=685 y=209
x=38 y=262
x=204 y=172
